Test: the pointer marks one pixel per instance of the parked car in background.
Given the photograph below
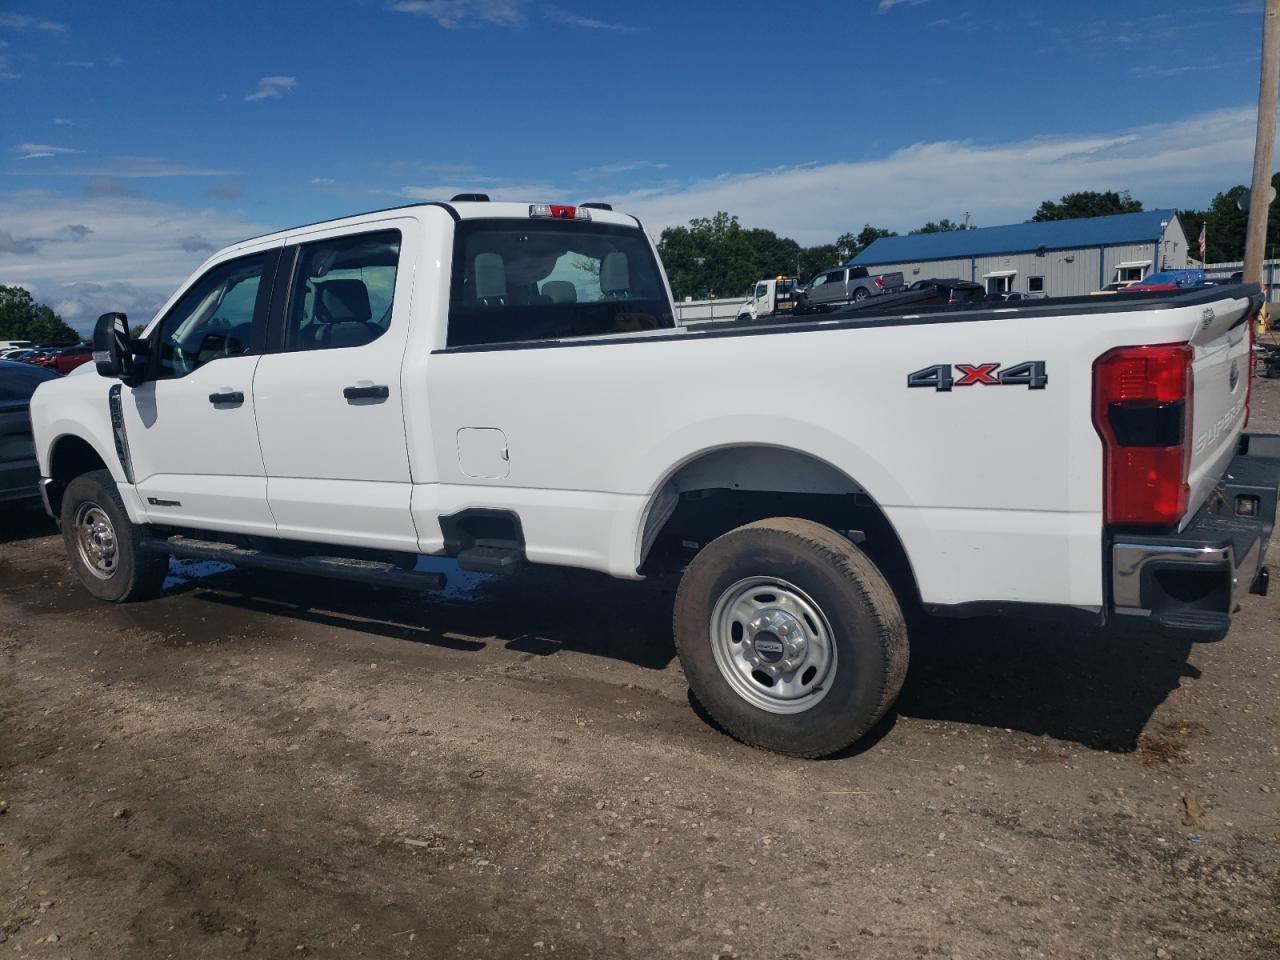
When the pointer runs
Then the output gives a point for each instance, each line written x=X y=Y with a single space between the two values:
x=68 y=358
x=848 y=285
x=19 y=474
x=1003 y=295
x=1115 y=287
x=1168 y=280
x=952 y=290
x=38 y=355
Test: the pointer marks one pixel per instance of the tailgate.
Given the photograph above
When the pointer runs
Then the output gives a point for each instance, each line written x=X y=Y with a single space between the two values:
x=1221 y=370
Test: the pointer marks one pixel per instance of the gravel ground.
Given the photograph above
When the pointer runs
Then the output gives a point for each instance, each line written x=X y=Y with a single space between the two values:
x=272 y=767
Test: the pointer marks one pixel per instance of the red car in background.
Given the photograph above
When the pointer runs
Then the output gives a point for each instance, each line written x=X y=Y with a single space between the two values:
x=66 y=359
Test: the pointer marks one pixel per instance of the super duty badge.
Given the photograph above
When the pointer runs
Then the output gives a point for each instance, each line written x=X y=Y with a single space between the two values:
x=1030 y=375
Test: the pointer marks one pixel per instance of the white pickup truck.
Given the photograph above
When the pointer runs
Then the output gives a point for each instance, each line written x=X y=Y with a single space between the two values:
x=503 y=383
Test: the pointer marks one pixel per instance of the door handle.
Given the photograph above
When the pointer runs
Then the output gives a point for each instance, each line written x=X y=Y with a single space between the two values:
x=227 y=396
x=366 y=393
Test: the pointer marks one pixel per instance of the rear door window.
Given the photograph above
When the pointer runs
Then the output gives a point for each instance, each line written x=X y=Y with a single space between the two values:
x=519 y=280
x=343 y=292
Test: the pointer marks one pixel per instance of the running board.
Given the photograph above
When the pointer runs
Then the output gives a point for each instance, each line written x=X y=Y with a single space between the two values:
x=375 y=572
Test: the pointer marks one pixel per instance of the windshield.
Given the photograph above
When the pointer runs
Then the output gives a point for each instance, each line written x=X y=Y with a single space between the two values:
x=547 y=280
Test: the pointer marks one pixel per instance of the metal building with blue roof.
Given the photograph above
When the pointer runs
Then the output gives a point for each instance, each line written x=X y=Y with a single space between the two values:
x=1057 y=258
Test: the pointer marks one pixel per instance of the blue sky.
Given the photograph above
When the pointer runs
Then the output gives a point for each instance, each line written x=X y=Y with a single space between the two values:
x=134 y=144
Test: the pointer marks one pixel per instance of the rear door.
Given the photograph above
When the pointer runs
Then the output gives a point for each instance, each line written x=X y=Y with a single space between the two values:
x=328 y=395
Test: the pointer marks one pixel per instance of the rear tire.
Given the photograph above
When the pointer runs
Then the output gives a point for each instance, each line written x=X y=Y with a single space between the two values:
x=790 y=637
x=103 y=545
x=860 y=294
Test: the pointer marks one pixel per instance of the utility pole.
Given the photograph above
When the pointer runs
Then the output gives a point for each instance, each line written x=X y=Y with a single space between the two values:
x=1260 y=194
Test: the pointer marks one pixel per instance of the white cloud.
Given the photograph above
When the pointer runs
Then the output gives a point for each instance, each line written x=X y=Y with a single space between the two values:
x=19 y=21
x=1164 y=72
x=890 y=4
x=130 y=167
x=453 y=14
x=273 y=88
x=37 y=151
x=107 y=252
x=1174 y=164
x=613 y=169
x=570 y=19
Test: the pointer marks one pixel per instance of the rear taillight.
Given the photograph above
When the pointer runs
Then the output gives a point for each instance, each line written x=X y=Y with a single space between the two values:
x=1142 y=398
x=880 y=282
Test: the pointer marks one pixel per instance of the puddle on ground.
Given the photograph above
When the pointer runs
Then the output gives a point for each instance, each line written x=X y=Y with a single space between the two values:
x=184 y=571
x=461 y=584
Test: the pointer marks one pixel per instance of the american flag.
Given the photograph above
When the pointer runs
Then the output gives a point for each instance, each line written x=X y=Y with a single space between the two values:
x=1203 y=240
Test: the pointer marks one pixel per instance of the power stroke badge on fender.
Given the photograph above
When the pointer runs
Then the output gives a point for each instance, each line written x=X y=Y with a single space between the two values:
x=940 y=377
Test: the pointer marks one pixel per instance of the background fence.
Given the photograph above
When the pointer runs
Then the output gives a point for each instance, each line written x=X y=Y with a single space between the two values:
x=688 y=311
x=1270 y=275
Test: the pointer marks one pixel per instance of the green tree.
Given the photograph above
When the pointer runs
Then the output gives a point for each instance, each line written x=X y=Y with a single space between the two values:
x=21 y=318
x=865 y=238
x=1087 y=203
x=1227 y=226
x=718 y=257
x=942 y=226
x=813 y=259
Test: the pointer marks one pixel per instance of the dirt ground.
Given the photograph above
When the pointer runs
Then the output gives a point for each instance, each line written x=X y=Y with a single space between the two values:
x=258 y=765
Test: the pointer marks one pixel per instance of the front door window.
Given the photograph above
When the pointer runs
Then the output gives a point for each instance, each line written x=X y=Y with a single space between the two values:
x=215 y=318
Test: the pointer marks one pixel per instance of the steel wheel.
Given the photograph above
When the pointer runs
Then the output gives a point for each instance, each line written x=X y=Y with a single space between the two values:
x=773 y=645
x=95 y=540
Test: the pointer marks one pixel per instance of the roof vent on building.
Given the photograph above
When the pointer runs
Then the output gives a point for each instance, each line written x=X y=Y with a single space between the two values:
x=470 y=198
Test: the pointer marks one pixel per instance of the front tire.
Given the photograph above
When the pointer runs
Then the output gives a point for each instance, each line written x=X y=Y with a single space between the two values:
x=790 y=637
x=103 y=545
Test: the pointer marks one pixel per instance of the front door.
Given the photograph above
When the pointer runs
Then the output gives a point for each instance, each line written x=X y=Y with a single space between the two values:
x=762 y=307
x=192 y=440
x=828 y=287
x=328 y=396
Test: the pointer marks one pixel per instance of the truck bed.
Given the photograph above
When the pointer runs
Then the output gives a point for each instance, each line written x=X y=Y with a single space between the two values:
x=905 y=309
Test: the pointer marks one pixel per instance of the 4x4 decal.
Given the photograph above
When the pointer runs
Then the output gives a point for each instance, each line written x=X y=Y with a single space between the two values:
x=1029 y=374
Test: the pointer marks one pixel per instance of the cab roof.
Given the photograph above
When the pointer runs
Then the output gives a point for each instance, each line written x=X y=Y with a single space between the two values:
x=460 y=210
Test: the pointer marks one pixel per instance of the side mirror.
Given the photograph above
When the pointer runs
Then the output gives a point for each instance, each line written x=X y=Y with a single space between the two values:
x=111 y=349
